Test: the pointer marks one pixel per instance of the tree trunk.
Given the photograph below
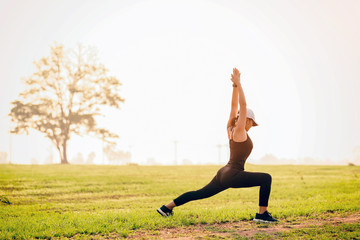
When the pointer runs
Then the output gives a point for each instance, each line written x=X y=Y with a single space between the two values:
x=64 y=153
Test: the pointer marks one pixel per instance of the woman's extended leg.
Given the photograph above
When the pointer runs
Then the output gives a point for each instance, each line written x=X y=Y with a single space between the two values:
x=209 y=190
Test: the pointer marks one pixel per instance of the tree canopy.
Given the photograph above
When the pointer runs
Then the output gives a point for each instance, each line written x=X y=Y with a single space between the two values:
x=64 y=95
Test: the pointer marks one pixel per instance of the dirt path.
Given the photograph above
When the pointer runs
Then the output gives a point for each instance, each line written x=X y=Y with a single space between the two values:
x=247 y=229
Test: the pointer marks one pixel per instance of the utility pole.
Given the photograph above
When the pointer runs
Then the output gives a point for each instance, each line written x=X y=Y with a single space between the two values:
x=130 y=150
x=175 y=152
x=219 y=151
x=220 y=146
x=10 y=147
x=103 y=158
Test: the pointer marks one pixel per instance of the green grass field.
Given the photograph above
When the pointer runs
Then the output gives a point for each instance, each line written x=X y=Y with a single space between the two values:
x=99 y=202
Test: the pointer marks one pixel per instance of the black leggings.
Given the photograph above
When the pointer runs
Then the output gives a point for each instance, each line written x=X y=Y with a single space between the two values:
x=228 y=177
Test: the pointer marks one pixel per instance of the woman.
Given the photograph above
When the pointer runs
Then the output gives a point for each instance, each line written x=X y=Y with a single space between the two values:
x=233 y=175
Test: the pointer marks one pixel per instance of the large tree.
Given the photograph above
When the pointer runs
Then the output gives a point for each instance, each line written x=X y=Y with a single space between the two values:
x=64 y=96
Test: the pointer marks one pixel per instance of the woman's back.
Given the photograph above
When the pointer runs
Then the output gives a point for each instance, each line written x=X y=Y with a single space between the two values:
x=239 y=152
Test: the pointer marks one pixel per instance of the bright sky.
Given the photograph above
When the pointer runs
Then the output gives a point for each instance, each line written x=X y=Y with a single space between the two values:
x=299 y=62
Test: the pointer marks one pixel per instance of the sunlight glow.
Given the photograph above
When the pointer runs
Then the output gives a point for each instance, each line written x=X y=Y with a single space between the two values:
x=299 y=63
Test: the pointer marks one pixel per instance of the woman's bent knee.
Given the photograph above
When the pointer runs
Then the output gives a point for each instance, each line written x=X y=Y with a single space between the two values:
x=267 y=178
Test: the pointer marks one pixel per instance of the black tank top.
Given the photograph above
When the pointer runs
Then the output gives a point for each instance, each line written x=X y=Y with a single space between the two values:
x=239 y=152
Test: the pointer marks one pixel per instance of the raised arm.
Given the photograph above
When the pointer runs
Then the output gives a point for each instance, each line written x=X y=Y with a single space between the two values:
x=234 y=105
x=240 y=126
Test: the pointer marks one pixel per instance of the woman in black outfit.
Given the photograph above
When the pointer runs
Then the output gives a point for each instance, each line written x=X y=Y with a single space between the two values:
x=232 y=175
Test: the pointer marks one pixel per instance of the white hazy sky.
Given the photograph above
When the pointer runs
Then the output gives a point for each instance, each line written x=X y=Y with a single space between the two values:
x=299 y=61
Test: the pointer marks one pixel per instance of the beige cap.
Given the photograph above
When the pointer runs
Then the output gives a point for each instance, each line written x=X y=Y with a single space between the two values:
x=250 y=114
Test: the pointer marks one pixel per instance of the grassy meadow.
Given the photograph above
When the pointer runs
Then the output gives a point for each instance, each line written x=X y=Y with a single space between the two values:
x=95 y=202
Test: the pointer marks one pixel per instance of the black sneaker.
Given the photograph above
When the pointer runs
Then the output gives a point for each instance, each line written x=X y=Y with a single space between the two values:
x=265 y=218
x=164 y=211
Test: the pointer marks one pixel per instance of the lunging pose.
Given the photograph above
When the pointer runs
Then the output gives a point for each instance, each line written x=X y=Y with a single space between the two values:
x=233 y=175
